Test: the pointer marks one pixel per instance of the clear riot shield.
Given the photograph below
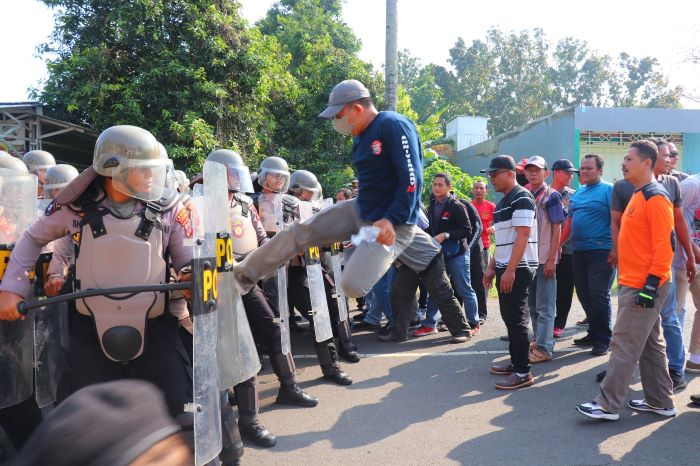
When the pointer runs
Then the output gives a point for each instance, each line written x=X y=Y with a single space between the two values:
x=314 y=277
x=17 y=211
x=206 y=404
x=237 y=355
x=51 y=336
x=272 y=219
x=333 y=262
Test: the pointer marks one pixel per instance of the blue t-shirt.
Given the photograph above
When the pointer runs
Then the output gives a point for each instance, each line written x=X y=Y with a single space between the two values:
x=590 y=217
x=389 y=164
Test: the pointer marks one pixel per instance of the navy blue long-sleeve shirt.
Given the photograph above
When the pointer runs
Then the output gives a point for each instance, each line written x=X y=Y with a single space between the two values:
x=389 y=164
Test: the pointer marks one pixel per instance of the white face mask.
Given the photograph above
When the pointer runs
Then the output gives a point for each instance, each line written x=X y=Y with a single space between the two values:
x=342 y=125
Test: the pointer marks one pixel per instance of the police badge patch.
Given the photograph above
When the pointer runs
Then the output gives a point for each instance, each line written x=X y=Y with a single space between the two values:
x=53 y=207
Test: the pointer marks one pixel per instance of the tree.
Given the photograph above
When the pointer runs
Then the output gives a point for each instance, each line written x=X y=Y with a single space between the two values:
x=391 y=67
x=324 y=52
x=189 y=71
x=462 y=182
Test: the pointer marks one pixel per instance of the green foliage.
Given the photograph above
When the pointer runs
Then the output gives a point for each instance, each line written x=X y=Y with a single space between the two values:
x=190 y=71
x=461 y=181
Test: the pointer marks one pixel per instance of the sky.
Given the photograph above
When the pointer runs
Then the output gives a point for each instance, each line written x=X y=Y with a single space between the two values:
x=428 y=29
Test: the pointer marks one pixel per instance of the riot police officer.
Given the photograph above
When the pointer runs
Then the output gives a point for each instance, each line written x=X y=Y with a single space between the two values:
x=13 y=163
x=38 y=161
x=122 y=231
x=57 y=177
x=247 y=235
x=305 y=187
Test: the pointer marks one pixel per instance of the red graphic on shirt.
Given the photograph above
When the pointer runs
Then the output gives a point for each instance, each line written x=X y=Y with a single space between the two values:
x=445 y=215
x=411 y=189
x=376 y=147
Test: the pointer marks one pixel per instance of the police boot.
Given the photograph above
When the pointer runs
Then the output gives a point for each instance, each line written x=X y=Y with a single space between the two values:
x=328 y=360
x=248 y=422
x=290 y=393
x=347 y=349
x=232 y=445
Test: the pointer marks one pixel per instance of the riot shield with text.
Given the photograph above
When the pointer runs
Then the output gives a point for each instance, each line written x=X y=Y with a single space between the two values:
x=333 y=261
x=17 y=211
x=275 y=286
x=206 y=404
x=237 y=356
x=317 y=289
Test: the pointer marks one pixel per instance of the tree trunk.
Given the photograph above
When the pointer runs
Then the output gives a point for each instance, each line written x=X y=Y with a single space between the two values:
x=391 y=72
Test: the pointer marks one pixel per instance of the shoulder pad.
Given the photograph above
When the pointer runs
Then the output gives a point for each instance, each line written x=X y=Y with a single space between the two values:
x=92 y=195
x=243 y=199
x=654 y=189
x=290 y=201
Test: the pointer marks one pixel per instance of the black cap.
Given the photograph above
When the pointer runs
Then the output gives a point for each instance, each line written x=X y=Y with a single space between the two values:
x=109 y=423
x=500 y=162
x=564 y=164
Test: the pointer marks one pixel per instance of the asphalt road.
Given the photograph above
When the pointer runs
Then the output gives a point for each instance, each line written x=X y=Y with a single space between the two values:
x=427 y=401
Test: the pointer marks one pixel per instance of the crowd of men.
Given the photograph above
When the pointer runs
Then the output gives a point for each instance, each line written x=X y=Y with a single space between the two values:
x=132 y=220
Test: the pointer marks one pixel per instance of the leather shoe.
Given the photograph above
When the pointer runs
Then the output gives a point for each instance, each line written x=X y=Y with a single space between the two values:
x=502 y=368
x=295 y=396
x=257 y=434
x=515 y=381
x=364 y=325
x=349 y=355
x=600 y=349
x=339 y=377
x=695 y=399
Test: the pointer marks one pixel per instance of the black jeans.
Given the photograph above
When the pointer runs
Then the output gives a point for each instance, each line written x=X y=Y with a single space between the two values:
x=565 y=289
x=436 y=281
x=477 y=275
x=592 y=278
x=514 y=311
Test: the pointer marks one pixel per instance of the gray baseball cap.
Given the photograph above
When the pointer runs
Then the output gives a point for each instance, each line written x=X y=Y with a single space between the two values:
x=536 y=161
x=342 y=94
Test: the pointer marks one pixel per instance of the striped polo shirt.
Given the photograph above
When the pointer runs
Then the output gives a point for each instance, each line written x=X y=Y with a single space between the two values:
x=516 y=209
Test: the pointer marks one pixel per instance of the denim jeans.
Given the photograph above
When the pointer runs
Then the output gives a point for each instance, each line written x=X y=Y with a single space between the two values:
x=458 y=269
x=592 y=279
x=381 y=299
x=542 y=301
x=673 y=332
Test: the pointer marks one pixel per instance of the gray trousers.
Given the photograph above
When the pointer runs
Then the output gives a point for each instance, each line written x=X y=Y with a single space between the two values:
x=365 y=264
x=637 y=337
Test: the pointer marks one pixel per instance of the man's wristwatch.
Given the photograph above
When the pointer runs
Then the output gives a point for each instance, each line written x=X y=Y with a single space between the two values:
x=447 y=236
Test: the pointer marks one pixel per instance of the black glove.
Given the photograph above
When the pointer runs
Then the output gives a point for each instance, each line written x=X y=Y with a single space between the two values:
x=646 y=297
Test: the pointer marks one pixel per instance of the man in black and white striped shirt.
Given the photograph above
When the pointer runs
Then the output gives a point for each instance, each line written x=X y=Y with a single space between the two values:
x=514 y=266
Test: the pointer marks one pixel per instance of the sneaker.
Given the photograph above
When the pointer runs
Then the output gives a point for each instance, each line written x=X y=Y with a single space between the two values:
x=502 y=368
x=594 y=410
x=364 y=325
x=461 y=338
x=600 y=349
x=678 y=380
x=584 y=341
x=414 y=324
x=423 y=331
x=642 y=405
x=482 y=320
x=475 y=329
x=558 y=332
x=385 y=330
x=441 y=327
x=515 y=381
x=583 y=323
x=537 y=356
x=691 y=366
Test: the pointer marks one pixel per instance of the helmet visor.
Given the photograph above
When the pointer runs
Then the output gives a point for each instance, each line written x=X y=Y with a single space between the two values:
x=141 y=179
x=276 y=181
x=239 y=179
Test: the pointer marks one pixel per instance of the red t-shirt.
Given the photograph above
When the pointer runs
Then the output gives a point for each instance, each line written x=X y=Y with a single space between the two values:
x=485 y=209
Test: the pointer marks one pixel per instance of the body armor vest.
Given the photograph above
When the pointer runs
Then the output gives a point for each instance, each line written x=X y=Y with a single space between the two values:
x=118 y=252
x=243 y=234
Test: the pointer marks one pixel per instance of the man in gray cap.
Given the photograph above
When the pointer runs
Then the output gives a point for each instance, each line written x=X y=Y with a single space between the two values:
x=388 y=160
